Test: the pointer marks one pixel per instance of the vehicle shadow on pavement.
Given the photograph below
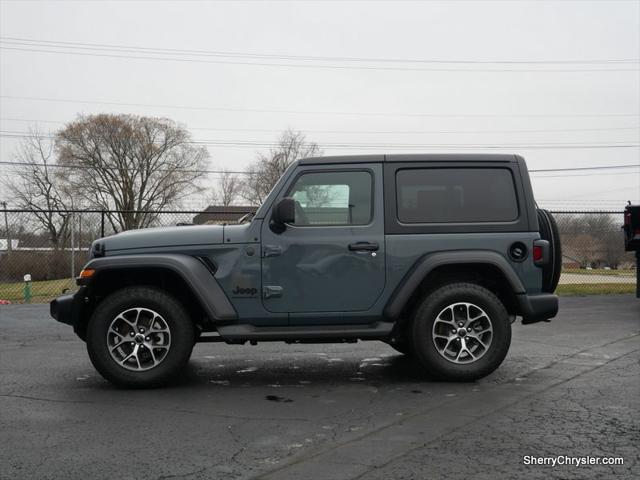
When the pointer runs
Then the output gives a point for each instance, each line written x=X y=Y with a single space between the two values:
x=305 y=370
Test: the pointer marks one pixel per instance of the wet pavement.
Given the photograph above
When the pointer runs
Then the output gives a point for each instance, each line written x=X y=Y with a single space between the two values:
x=277 y=411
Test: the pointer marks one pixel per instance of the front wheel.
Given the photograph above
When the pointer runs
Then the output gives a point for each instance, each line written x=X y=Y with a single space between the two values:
x=461 y=332
x=139 y=337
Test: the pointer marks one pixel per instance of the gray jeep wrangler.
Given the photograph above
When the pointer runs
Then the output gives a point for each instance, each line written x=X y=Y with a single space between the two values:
x=435 y=255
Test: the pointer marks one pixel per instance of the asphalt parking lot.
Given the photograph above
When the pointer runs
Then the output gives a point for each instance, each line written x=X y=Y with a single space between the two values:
x=276 y=411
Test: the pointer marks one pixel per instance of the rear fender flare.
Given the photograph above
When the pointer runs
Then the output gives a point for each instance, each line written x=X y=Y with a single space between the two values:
x=426 y=264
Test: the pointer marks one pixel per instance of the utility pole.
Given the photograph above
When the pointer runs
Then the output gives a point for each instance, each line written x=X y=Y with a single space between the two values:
x=6 y=227
x=73 y=253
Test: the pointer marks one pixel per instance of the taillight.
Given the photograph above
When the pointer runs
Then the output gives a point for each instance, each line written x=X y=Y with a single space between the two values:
x=538 y=253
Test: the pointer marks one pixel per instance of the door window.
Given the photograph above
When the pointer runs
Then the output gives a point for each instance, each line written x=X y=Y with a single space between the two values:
x=332 y=198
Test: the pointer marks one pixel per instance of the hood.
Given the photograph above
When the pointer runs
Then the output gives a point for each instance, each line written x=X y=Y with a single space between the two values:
x=163 y=237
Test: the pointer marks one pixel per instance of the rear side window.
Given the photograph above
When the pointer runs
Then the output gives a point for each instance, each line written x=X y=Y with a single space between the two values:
x=456 y=195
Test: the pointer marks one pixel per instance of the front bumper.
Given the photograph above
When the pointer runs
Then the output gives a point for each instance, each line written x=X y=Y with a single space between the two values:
x=537 y=308
x=69 y=309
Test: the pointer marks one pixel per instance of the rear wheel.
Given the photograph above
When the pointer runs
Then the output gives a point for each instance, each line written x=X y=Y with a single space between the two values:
x=549 y=232
x=461 y=332
x=139 y=337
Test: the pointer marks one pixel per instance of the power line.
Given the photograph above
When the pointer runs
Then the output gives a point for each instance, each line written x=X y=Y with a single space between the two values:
x=591 y=202
x=575 y=169
x=333 y=146
x=28 y=41
x=84 y=167
x=535 y=175
x=372 y=132
x=302 y=112
x=322 y=66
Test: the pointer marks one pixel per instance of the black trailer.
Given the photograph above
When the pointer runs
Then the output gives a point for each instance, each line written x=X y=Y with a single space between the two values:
x=631 y=229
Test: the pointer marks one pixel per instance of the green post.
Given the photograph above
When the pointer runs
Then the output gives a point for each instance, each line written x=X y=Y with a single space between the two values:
x=27 y=288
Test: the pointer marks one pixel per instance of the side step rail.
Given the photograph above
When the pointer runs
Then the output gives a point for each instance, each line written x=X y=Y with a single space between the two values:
x=307 y=334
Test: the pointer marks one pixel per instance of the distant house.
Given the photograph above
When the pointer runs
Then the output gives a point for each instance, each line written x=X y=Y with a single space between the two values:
x=570 y=257
x=568 y=262
x=215 y=215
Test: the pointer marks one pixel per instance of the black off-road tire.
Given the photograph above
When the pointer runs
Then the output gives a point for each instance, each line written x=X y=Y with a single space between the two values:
x=549 y=231
x=180 y=326
x=424 y=344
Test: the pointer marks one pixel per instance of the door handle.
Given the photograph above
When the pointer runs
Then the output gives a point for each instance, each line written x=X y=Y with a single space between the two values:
x=364 y=247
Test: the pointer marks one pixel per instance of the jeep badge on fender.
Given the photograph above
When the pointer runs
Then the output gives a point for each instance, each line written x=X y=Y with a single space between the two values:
x=240 y=292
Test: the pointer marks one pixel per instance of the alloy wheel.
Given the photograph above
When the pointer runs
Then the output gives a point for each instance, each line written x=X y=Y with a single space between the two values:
x=138 y=339
x=462 y=333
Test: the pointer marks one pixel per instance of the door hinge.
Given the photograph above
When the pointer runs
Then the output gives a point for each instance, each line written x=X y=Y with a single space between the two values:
x=271 y=291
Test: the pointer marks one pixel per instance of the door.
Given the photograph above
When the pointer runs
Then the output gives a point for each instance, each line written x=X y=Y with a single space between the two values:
x=332 y=258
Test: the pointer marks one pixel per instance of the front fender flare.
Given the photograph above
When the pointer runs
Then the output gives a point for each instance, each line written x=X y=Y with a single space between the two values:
x=198 y=278
x=424 y=265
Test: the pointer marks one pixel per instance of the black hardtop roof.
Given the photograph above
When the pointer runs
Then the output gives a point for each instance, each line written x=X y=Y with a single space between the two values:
x=412 y=157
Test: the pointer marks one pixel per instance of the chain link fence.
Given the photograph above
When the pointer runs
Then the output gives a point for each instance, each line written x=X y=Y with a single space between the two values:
x=593 y=256
x=52 y=246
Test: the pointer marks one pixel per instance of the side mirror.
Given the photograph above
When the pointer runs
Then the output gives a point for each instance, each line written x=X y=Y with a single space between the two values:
x=284 y=212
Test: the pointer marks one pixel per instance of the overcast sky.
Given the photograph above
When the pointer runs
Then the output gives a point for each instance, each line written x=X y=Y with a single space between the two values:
x=383 y=105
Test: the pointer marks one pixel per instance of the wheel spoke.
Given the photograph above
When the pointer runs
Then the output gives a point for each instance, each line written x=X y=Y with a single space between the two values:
x=121 y=335
x=466 y=312
x=158 y=330
x=153 y=355
x=482 y=332
x=477 y=339
x=118 y=345
x=437 y=335
x=162 y=329
x=124 y=319
x=444 y=320
x=446 y=347
x=134 y=353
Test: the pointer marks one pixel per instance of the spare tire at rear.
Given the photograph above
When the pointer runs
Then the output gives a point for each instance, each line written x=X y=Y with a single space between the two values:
x=549 y=232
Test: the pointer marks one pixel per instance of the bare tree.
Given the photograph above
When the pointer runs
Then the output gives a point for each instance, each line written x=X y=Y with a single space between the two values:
x=268 y=168
x=613 y=248
x=227 y=189
x=594 y=239
x=35 y=186
x=135 y=165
